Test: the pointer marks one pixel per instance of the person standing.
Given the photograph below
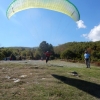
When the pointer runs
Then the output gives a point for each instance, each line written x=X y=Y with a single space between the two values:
x=87 y=59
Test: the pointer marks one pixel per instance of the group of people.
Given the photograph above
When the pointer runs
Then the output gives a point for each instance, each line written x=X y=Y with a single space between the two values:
x=86 y=58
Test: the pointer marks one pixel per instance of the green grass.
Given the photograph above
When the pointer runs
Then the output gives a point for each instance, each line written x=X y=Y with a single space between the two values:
x=52 y=81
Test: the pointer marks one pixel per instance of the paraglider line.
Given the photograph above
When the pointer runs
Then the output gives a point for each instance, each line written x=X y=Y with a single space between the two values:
x=72 y=13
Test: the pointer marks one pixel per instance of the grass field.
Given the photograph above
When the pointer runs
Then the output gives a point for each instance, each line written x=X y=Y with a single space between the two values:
x=36 y=80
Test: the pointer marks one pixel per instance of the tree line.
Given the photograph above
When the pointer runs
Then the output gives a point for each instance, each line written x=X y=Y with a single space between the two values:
x=23 y=53
x=72 y=51
x=75 y=50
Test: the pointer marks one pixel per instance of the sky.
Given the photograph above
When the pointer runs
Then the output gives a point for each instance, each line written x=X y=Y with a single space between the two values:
x=30 y=27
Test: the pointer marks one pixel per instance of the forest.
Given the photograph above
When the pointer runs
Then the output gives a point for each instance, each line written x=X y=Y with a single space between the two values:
x=71 y=51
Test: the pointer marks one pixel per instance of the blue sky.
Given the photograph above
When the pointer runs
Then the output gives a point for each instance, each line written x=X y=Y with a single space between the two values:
x=30 y=27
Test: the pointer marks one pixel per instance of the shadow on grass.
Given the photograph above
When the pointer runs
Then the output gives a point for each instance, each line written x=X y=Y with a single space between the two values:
x=89 y=87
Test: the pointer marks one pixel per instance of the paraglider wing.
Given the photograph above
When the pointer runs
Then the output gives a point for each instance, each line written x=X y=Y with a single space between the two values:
x=63 y=6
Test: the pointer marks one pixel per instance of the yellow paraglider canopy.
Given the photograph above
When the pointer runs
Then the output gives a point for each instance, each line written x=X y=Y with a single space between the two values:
x=62 y=6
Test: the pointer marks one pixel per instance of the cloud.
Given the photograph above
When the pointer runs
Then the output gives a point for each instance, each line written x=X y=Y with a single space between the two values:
x=80 y=24
x=94 y=34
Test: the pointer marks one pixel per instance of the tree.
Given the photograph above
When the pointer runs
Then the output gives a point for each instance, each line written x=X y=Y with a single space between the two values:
x=1 y=56
x=6 y=52
x=37 y=55
x=43 y=47
x=13 y=57
x=68 y=55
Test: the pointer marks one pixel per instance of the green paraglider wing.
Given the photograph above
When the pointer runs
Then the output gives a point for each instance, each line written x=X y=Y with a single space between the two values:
x=62 y=6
